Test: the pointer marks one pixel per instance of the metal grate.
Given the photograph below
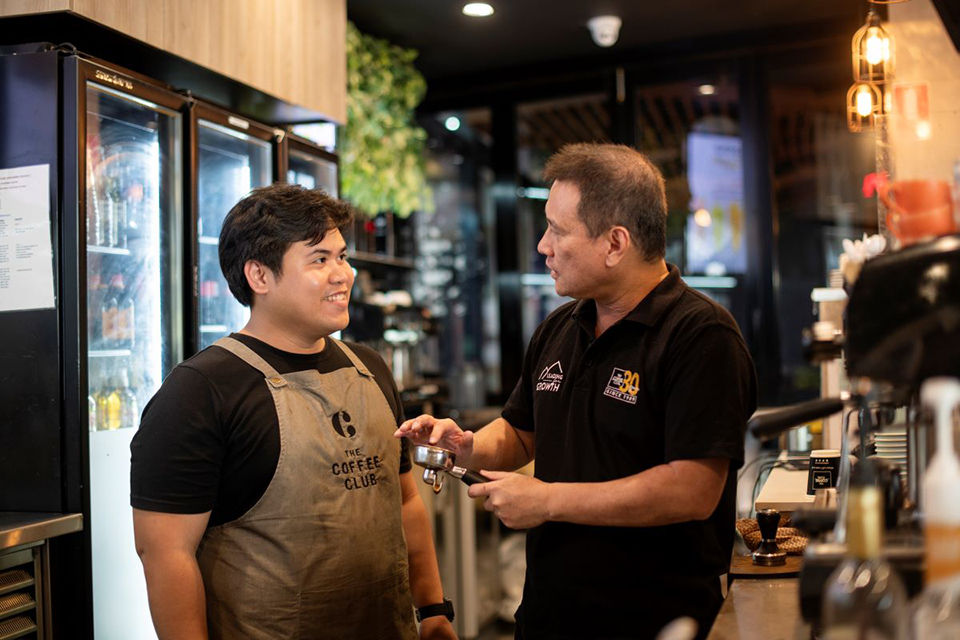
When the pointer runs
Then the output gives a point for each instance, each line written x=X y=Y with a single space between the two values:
x=16 y=603
x=13 y=580
x=16 y=627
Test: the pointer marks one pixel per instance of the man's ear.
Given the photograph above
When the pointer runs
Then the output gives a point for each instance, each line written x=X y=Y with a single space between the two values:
x=619 y=243
x=259 y=277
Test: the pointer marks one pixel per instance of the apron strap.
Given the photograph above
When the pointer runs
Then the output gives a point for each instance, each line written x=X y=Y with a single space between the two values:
x=353 y=358
x=249 y=356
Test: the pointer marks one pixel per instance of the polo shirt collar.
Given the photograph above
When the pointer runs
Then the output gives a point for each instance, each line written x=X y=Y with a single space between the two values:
x=647 y=311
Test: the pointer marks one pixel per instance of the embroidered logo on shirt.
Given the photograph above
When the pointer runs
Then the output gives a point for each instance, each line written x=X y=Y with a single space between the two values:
x=550 y=378
x=623 y=385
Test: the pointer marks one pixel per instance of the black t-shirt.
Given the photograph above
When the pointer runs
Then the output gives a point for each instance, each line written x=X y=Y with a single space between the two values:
x=673 y=380
x=209 y=440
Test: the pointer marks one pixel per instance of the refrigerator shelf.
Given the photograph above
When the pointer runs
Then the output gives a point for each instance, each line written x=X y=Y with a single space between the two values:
x=209 y=240
x=108 y=353
x=214 y=328
x=116 y=251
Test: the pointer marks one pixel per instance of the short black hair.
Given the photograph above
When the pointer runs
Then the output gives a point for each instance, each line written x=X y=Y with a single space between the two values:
x=264 y=224
x=618 y=186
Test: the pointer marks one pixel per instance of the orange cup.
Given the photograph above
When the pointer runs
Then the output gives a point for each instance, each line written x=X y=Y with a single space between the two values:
x=918 y=209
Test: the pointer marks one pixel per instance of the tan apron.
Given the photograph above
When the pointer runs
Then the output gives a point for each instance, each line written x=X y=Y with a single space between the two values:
x=322 y=553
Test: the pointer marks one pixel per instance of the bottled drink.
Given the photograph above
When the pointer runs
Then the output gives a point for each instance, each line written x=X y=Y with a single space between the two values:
x=937 y=608
x=114 y=406
x=129 y=412
x=126 y=318
x=112 y=221
x=94 y=313
x=110 y=314
x=864 y=598
x=101 y=398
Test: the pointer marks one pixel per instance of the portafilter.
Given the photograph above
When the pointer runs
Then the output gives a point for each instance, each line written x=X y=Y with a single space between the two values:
x=436 y=461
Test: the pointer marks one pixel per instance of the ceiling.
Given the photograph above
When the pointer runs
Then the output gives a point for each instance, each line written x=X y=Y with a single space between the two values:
x=539 y=33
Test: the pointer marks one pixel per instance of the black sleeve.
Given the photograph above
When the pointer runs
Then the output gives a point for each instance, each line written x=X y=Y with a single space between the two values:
x=710 y=394
x=176 y=454
x=384 y=377
x=518 y=410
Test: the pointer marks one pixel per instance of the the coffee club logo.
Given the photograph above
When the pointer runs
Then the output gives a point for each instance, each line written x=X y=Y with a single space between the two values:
x=550 y=378
x=341 y=424
x=357 y=470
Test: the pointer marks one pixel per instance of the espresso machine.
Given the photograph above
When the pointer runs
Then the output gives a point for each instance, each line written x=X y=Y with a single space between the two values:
x=902 y=327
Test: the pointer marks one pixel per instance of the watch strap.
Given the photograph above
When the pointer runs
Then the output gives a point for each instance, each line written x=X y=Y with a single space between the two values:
x=444 y=608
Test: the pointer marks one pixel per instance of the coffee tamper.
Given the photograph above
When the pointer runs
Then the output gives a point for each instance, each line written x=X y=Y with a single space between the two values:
x=436 y=461
x=768 y=554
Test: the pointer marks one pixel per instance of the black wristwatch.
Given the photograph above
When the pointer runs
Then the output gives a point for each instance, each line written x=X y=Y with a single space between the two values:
x=444 y=608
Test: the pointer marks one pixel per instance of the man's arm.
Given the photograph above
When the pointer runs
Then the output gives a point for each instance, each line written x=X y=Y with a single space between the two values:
x=677 y=491
x=498 y=445
x=167 y=546
x=424 y=573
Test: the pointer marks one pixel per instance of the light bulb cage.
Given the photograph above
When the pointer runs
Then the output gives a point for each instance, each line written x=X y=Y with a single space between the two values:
x=872 y=52
x=857 y=121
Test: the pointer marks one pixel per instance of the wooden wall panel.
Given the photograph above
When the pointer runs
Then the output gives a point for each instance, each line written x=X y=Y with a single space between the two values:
x=294 y=50
x=20 y=7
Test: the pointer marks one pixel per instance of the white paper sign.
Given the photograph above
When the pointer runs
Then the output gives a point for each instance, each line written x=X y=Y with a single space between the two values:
x=26 y=255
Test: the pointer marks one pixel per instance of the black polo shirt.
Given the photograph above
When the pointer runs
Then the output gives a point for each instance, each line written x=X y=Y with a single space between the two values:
x=673 y=380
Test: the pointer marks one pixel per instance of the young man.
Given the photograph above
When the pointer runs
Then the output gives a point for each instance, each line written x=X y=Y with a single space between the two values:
x=633 y=399
x=270 y=501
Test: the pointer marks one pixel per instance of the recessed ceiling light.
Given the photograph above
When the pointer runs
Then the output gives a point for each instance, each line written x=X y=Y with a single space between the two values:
x=477 y=9
x=452 y=123
x=707 y=89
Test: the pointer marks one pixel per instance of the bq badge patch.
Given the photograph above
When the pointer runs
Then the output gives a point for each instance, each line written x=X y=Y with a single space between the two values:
x=623 y=386
x=550 y=378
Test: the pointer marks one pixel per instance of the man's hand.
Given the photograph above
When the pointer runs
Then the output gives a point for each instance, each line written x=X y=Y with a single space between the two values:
x=444 y=433
x=437 y=628
x=518 y=500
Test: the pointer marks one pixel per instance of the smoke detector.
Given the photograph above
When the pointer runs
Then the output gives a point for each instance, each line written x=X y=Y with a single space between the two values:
x=604 y=29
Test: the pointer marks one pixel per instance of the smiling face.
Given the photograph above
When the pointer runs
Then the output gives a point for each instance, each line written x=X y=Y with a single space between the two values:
x=308 y=298
x=575 y=260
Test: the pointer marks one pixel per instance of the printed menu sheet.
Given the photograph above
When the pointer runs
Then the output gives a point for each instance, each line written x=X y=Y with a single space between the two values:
x=26 y=254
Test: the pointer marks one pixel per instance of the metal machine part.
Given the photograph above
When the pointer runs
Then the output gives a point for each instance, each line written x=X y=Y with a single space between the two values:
x=436 y=461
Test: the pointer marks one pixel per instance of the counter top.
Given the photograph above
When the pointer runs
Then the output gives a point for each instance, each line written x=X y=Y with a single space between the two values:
x=18 y=527
x=758 y=609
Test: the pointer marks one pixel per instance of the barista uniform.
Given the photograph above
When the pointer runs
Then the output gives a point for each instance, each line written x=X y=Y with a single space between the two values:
x=672 y=380
x=294 y=455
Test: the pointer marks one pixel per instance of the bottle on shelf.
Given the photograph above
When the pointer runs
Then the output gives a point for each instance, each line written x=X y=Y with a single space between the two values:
x=94 y=313
x=109 y=309
x=113 y=221
x=114 y=405
x=125 y=319
x=937 y=609
x=864 y=597
x=130 y=411
x=100 y=395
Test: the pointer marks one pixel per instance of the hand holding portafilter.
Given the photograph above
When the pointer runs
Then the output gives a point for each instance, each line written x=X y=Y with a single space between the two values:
x=436 y=460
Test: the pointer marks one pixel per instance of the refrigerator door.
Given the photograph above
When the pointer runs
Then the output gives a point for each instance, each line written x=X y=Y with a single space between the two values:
x=133 y=196
x=312 y=168
x=229 y=164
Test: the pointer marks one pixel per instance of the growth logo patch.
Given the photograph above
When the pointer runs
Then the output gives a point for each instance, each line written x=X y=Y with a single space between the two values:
x=550 y=378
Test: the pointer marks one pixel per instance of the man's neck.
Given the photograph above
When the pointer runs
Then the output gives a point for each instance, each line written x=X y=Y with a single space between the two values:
x=629 y=290
x=281 y=339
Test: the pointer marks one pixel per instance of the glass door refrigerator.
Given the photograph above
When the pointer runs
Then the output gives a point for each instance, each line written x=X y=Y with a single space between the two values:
x=232 y=155
x=130 y=266
x=311 y=166
x=113 y=144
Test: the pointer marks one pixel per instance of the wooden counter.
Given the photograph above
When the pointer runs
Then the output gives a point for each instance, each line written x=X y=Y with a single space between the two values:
x=761 y=609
